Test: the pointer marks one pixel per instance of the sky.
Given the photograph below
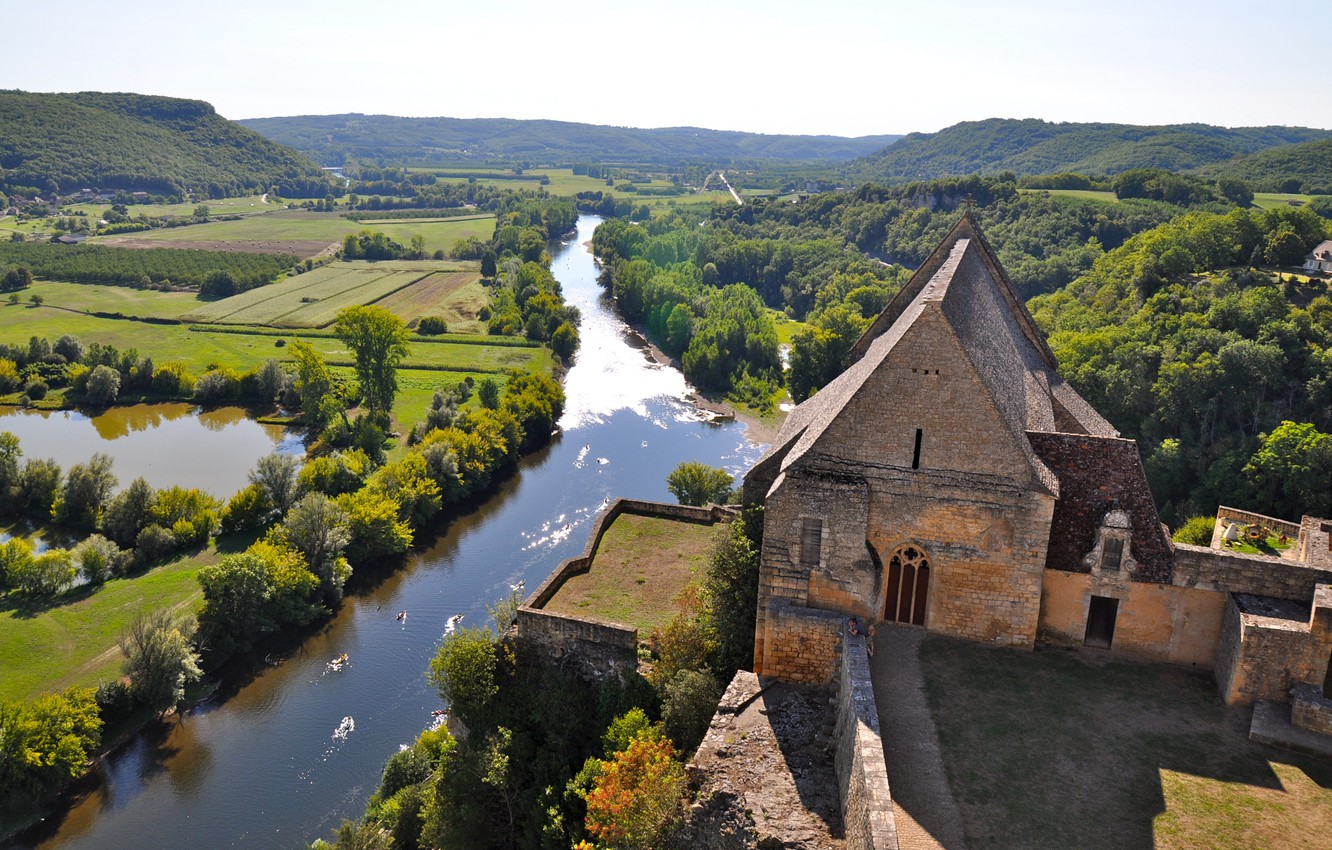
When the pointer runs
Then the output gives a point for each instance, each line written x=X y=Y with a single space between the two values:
x=836 y=67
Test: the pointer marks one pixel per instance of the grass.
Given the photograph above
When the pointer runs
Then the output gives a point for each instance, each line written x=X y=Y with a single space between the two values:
x=1272 y=200
x=244 y=205
x=90 y=298
x=46 y=647
x=1048 y=749
x=455 y=296
x=1084 y=194
x=299 y=226
x=310 y=300
x=638 y=570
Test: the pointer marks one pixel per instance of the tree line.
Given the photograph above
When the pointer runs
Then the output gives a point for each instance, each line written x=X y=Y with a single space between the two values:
x=97 y=264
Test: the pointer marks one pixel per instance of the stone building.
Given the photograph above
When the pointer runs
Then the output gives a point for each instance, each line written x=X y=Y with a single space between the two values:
x=950 y=479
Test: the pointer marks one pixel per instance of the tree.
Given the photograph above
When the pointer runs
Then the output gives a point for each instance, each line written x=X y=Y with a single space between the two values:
x=47 y=741
x=97 y=558
x=464 y=671
x=694 y=483
x=314 y=385
x=1291 y=469
x=103 y=385
x=276 y=476
x=636 y=798
x=488 y=393
x=127 y=512
x=377 y=340
x=159 y=658
x=318 y=529
x=731 y=590
x=87 y=488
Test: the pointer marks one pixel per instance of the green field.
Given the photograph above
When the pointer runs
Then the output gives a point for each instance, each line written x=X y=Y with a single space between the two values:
x=1084 y=194
x=47 y=647
x=310 y=300
x=1272 y=200
x=273 y=231
x=245 y=205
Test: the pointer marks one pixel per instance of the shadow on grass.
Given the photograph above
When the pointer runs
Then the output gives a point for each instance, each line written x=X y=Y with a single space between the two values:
x=1051 y=749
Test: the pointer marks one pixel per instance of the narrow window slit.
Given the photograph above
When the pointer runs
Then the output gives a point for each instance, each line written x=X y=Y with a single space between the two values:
x=915 y=457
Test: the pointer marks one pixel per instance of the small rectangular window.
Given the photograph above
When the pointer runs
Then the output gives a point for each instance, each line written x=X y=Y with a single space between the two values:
x=1112 y=553
x=811 y=542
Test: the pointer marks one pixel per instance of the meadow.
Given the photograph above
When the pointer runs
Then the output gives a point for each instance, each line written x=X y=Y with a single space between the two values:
x=288 y=229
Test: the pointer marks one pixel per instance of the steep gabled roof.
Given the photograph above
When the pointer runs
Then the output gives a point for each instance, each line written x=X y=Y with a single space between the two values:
x=962 y=280
x=966 y=228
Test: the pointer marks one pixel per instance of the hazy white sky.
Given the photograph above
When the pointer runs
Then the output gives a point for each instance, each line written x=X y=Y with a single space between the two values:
x=842 y=67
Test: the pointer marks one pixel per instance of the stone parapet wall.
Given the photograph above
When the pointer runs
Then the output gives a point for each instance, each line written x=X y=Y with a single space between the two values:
x=862 y=773
x=1310 y=709
x=1291 y=529
x=1209 y=569
x=594 y=648
x=1267 y=648
x=801 y=644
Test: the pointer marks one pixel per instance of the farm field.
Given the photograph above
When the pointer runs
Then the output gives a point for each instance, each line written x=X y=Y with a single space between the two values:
x=304 y=232
x=312 y=300
x=1084 y=194
x=454 y=296
x=91 y=298
x=244 y=205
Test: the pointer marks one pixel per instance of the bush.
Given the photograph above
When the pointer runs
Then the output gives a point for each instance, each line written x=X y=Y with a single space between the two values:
x=103 y=385
x=694 y=483
x=1197 y=531
x=173 y=379
x=432 y=325
x=153 y=542
x=464 y=671
x=36 y=389
x=98 y=558
x=687 y=707
x=217 y=385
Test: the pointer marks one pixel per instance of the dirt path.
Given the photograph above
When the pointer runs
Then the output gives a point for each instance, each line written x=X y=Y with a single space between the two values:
x=926 y=812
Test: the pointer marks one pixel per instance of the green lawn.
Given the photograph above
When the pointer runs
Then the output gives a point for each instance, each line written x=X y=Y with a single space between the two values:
x=244 y=205
x=1272 y=200
x=638 y=571
x=72 y=642
x=1049 y=749
x=93 y=298
x=1084 y=194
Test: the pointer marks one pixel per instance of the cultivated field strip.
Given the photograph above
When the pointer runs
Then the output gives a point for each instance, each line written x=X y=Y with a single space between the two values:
x=309 y=300
x=426 y=295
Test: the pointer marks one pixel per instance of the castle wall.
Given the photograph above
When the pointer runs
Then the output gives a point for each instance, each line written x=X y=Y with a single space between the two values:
x=1155 y=622
x=800 y=644
x=1268 y=646
x=1203 y=567
x=862 y=772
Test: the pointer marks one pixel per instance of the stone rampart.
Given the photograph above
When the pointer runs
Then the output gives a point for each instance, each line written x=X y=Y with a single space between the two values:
x=1291 y=529
x=862 y=773
x=595 y=648
x=1311 y=709
x=1208 y=569
x=801 y=644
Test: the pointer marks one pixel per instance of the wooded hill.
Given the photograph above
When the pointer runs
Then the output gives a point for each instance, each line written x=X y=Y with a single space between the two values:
x=1304 y=167
x=162 y=145
x=331 y=139
x=1032 y=146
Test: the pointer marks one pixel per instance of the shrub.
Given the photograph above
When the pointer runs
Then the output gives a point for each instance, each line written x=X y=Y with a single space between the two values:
x=153 y=542
x=103 y=385
x=1197 y=531
x=636 y=799
x=432 y=325
x=35 y=389
x=247 y=510
x=464 y=671
x=687 y=707
x=98 y=558
x=694 y=483
x=173 y=379
x=9 y=376
x=216 y=385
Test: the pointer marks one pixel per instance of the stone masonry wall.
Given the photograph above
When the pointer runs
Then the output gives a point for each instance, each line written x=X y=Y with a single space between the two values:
x=1310 y=709
x=1275 y=649
x=1209 y=569
x=862 y=773
x=801 y=644
x=594 y=648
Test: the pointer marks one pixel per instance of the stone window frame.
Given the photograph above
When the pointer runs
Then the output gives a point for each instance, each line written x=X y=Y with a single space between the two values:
x=1115 y=525
x=801 y=525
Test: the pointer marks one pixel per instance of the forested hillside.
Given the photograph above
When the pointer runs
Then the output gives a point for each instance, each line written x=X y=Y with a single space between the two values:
x=66 y=142
x=1304 y=167
x=1152 y=308
x=331 y=139
x=1031 y=146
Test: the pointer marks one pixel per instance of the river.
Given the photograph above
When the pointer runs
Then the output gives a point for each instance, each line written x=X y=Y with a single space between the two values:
x=262 y=767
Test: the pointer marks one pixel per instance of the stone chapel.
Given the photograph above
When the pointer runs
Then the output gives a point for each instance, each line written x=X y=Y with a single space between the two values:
x=950 y=479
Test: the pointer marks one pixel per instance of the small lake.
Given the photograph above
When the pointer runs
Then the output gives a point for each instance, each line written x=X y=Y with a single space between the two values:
x=168 y=444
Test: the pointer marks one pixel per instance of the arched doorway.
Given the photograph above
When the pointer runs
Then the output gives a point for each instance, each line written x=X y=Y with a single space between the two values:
x=908 y=586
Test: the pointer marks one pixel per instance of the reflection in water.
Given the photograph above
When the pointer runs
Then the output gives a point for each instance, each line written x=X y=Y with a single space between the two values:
x=168 y=444
x=272 y=776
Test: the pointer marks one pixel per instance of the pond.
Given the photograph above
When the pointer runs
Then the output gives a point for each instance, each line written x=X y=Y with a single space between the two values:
x=168 y=444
